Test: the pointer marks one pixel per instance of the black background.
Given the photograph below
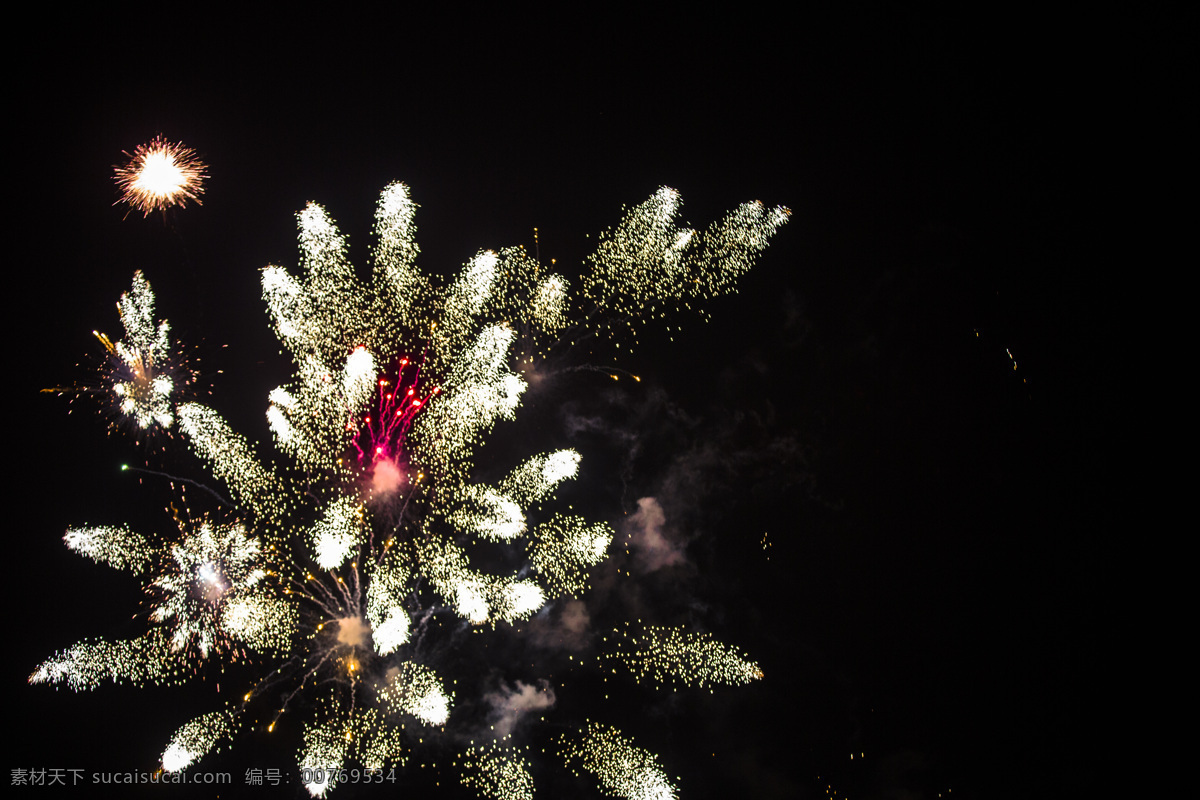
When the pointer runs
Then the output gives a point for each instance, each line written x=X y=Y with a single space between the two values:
x=919 y=387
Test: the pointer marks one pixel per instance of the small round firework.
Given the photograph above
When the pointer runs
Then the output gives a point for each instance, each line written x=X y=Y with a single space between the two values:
x=161 y=174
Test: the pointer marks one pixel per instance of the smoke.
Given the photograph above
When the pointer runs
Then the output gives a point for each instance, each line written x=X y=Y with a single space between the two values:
x=386 y=478
x=575 y=619
x=653 y=549
x=509 y=705
x=569 y=630
x=353 y=631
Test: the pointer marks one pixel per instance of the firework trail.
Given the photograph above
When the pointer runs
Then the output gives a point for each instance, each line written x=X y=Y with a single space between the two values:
x=343 y=555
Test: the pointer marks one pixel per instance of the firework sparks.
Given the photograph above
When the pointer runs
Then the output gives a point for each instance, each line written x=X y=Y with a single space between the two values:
x=670 y=655
x=212 y=589
x=144 y=372
x=161 y=174
x=366 y=540
x=623 y=768
x=196 y=739
x=209 y=594
x=497 y=772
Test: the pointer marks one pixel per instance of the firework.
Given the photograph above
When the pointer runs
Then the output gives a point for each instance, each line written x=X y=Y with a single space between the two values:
x=145 y=372
x=160 y=174
x=196 y=739
x=623 y=768
x=365 y=540
x=671 y=655
x=497 y=772
x=212 y=589
x=209 y=593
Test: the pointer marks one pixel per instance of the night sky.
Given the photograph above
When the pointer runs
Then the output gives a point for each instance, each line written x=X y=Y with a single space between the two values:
x=909 y=401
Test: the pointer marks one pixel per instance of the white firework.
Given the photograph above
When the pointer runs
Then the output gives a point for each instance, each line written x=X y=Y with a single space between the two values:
x=369 y=529
x=144 y=372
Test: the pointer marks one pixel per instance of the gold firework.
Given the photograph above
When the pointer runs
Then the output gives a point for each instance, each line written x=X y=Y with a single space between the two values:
x=161 y=174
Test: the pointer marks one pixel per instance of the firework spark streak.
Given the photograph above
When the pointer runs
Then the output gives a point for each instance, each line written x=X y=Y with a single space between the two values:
x=160 y=174
x=343 y=557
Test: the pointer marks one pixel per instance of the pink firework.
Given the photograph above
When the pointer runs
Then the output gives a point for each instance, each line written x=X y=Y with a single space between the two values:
x=399 y=401
x=161 y=174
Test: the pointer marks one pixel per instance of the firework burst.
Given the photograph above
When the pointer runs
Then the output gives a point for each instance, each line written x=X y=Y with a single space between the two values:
x=360 y=554
x=210 y=595
x=143 y=375
x=160 y=174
